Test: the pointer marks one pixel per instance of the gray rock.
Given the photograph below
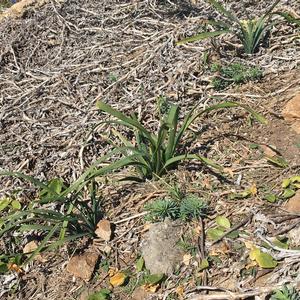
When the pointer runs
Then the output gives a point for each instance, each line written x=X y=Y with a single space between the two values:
x=159 y=247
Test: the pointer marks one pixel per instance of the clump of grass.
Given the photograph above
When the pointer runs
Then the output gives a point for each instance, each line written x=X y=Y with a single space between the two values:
x=250 y=32
x=235 y=73
x=60 y=214
x=154 y=153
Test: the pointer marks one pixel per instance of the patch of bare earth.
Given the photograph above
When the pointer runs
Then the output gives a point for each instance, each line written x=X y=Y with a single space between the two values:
x=57 y=61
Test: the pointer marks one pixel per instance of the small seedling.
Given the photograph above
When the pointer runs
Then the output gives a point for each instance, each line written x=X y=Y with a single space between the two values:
x=162 y=209
x=290 y=186
x=191 y=207
x=235 y=73
x=250 y=32
x=286 y=293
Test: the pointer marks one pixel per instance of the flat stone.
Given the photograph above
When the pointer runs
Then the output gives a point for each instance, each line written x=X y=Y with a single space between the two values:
x=139 y=294
x=293 y=204
x=82 y=266
x=291 y=113
x=268 y=151
x=296 y=127
x=104 y=230
x=159 y=248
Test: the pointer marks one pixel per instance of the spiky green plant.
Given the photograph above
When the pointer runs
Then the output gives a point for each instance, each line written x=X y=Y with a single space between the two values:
x=193 y=207
x=286 y=293
x=250 y=32
x=70 y=218
x=153 y=154
x=188 y=208
x=161 y=209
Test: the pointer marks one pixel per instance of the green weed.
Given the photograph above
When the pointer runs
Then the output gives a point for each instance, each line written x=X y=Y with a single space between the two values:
x=162 y=209
x=235 y=73
x=189 y=208
x=289 y=18
x=286 y=293
x=192 y=207
x=154 y=153
x=69 y=216
x=250 y=32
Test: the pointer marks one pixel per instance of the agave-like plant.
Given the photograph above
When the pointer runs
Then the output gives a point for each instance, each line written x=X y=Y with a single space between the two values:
x=153 y=154
x=250 y=32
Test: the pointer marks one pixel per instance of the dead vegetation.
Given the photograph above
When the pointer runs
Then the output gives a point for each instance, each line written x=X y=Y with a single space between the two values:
x=57 y=61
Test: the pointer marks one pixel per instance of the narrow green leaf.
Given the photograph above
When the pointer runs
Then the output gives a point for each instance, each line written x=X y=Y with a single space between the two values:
x=280 y=244
x=42 y=244
x=202 y=36
x=183 y=157
x=278 y=161
x=289 y=18
x=221 y=9
x=173 y=121
x=29 y=227
x=128 y=121
x=31 y=179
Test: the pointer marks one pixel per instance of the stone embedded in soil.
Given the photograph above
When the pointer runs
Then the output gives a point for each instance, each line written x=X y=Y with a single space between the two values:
x=30 y=247
x=268 y=151
x=291 y=113
x=139 y=294
x=82 y=266
x=159 y=248
x=104 y=230
x=296 y=127
x=293 y=204
x=294 y=236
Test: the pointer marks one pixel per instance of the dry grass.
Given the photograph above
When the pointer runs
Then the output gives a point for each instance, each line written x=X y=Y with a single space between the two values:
x=55 y=63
